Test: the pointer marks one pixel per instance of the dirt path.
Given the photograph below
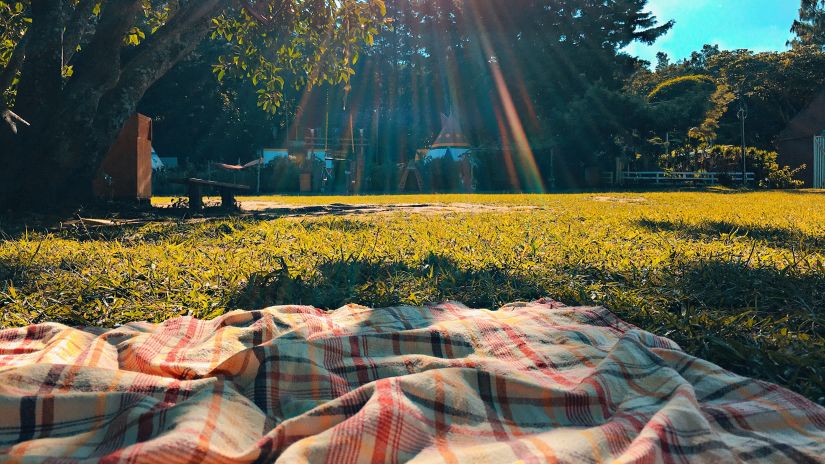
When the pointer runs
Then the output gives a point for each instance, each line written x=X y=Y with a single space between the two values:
x=285 y=209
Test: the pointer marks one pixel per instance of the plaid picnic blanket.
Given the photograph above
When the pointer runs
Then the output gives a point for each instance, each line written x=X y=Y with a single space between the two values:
x=536 y=382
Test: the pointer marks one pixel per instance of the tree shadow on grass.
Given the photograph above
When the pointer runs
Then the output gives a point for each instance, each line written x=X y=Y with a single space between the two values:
x=146 y=231
x=177 y=231
x=337 y=282
x=275 y=211
x=723 y=286
x=159 y=223
x=761 y=322
x=733 y=286
x=712 y=231
x=102 y=227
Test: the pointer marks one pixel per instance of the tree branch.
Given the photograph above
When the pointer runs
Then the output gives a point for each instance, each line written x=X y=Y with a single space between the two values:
x=78 y=28
x=98 y=64
x=11 y=119
x=255 y=14
x=13 y=66
x=155 y=56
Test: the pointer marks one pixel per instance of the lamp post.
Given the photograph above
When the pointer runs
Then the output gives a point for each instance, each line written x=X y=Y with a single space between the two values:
x=742 y=114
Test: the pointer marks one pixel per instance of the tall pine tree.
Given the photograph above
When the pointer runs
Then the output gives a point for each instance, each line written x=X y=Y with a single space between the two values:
x=810 y=27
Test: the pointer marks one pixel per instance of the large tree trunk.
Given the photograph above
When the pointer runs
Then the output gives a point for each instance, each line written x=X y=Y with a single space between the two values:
x=52 y=164
x=48 y=157
x=40 y=80
x=40 y=85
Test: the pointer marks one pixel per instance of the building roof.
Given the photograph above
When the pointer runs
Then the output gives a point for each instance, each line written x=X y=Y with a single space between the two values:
x=795 y=143
x=808 y=123
x=451 y=136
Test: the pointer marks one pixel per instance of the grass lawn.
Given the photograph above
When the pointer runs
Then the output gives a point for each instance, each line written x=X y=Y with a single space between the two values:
x=737 y=278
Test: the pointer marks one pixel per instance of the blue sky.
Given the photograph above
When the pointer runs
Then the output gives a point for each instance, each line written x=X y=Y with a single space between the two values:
x=760 y=25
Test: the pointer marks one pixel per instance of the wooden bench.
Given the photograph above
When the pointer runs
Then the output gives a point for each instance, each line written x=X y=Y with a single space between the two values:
x=195 y=192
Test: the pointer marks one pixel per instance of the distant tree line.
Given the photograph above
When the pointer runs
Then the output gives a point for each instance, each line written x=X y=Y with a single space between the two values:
x=580 y=101
x=544 y=88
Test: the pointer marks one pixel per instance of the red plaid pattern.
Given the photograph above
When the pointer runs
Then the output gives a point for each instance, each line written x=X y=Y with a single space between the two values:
x=536 y=382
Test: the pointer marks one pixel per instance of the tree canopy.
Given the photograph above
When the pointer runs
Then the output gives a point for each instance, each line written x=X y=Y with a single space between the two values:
x=475 y=57
x=75 y=70
x=544 y=87
x=810 y=27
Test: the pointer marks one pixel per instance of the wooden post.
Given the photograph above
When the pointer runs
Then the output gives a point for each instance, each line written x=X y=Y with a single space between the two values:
x=227 y=199
x=360 y=163
x=195 y=199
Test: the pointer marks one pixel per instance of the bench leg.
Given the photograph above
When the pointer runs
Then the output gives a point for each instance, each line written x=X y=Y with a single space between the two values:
x=227 y=199
x=195 y=198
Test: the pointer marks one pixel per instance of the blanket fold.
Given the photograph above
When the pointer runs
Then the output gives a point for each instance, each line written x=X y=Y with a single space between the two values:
x=532 y=382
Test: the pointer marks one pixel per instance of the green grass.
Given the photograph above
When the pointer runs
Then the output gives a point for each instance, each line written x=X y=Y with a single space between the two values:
x=737 y=278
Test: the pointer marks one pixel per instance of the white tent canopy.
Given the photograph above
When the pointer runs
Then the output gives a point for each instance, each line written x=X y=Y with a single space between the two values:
x=451 y=141
x=439 y=153
x=271 y=154
x=157 y=164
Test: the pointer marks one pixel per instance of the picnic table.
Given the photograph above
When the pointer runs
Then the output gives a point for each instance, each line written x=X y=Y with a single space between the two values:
x=195 y=191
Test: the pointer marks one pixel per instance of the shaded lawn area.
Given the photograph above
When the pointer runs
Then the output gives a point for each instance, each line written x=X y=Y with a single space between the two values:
x=736 y=278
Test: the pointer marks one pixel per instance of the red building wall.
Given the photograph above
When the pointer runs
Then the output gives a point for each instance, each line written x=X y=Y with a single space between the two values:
x=128 y=163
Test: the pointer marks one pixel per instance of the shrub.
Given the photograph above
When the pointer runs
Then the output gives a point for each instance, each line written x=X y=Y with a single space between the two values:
x=679 y=86
x=728 y=159
x=783 y=178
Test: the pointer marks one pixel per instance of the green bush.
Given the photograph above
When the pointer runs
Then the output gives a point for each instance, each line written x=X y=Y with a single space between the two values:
x=681 y=86
x=784 y=178
x=728 y=159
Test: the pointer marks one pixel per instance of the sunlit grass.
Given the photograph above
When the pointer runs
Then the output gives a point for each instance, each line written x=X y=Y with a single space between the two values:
x=738 y=278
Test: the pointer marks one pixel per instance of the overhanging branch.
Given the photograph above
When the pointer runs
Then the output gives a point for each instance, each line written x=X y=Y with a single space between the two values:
x=258 y=16
x=99 y=62
x=14 y=64
x=155 y=56
x=78 y=28
x=179 y=36
x=11 y=119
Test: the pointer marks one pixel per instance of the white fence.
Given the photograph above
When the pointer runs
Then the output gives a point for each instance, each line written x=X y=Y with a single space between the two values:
x=819 y=162
x=663 y=178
